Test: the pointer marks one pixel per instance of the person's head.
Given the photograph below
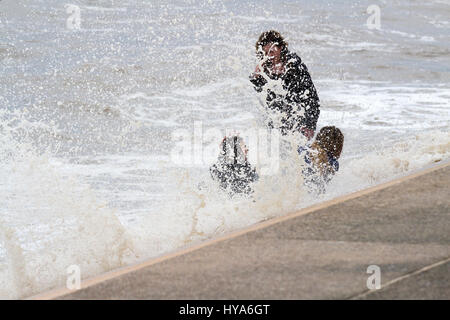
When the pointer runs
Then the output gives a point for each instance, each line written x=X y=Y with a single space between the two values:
x=331 y=140
x=271 y=44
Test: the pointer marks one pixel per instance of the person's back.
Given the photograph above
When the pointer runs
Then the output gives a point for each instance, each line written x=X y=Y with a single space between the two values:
x=232 y=169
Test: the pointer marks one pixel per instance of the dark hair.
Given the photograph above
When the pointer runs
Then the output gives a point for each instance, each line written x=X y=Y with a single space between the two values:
x=331 y=140
x=274 y=37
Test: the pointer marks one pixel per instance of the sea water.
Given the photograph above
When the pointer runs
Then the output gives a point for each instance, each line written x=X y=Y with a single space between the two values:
x=95 y=95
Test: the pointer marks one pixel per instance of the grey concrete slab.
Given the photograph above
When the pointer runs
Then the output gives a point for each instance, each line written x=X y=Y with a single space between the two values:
x=320 y=255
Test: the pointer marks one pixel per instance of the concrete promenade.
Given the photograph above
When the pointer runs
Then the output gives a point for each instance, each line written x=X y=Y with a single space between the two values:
x=320 y=252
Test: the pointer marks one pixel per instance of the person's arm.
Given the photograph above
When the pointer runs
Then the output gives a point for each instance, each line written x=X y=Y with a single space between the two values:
x=257 y=79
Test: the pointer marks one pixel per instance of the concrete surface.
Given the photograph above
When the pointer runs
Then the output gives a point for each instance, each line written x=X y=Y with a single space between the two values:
x=404 y=228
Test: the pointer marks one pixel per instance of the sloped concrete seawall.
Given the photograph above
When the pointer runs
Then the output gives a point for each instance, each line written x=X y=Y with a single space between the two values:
x=322 y=252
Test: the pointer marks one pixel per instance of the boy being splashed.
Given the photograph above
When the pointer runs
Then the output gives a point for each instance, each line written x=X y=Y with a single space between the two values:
x=321 y=158
x=232 y=169
x=295 y=103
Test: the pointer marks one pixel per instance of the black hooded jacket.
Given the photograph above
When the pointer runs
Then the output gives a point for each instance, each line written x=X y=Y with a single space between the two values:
x=299 y=106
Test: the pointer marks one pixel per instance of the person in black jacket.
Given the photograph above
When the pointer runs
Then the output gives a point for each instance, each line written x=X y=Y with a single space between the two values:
x=297 y=103
x=232 y=170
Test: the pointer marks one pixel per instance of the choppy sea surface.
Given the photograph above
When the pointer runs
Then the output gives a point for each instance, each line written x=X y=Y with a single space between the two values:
x=95 y=96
